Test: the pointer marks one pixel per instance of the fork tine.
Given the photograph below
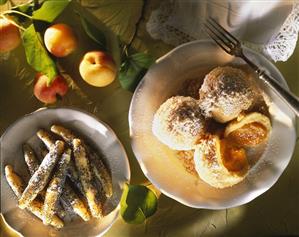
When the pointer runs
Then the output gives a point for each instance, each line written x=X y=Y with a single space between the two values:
x=221 y=30
x=220 y=45
x=219 y=34
x=217 y=39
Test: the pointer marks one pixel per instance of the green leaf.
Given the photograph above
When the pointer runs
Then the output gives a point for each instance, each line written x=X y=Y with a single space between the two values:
x=50 y=10
x=25 y=8
x=137 y=203
x=93 y=32
x=133 y=69
x=36 y=54
x=118 y=15
x=142 y=60
x=2 y=2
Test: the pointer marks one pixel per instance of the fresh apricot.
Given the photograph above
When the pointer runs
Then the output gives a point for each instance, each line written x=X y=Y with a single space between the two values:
x=60 y=40
x=49 y=93
x=9 y=36
x=97 y=68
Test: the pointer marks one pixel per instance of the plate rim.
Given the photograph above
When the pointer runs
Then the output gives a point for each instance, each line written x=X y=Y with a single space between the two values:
x=137 y=154
x=43 y=109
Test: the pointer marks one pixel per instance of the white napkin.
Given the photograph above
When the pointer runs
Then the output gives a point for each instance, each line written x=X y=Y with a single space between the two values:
x=268 y=26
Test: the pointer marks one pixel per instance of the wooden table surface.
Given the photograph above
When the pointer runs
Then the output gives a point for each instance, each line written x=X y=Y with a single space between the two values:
x=276 y=212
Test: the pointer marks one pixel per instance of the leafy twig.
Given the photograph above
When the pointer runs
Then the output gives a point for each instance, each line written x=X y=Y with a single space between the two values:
x=12 y=22
x=16 y=12
x=20 y=5
x=36 y=4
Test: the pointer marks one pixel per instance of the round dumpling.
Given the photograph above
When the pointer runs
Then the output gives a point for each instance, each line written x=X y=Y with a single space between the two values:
x=249 y=130
x=225 y=93
x=179 y=123
x=219 y=163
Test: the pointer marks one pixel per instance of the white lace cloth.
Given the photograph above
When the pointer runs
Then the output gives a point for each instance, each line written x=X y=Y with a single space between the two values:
x=270 y=27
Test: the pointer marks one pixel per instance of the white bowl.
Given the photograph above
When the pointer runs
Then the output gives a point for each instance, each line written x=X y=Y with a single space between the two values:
x=97 y=133
x=159 y=163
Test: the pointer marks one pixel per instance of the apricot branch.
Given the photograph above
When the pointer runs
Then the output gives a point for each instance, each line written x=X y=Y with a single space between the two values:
x=12 y=22
x=16 y=12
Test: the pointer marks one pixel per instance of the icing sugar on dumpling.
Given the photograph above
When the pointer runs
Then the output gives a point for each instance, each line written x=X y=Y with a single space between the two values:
x=220 y=163
x=225 y=93
x=218 y=128
x=179 y=122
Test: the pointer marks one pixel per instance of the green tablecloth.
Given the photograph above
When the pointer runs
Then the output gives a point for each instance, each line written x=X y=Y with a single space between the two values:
x=274 y=213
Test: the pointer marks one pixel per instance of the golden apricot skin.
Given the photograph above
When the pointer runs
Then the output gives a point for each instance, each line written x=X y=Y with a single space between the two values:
x=60 y=40
x=98 y=69
x=9 y=36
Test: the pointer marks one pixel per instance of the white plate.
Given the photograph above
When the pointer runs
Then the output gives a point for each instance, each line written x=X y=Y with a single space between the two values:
x=159 y=163
x=97 y=133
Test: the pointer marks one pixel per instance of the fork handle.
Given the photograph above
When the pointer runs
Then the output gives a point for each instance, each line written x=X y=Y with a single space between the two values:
x=289 y=98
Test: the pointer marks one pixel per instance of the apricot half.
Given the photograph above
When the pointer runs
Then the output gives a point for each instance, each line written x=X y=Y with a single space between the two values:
x=250 y=130
x=233 y=158
x=220 y=163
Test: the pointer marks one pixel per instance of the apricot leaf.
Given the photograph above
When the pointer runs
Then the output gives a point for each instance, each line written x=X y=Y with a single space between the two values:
x=137 y=203
x=2 y=2
x=118 y=15
x=36 y=54
x=24 y=8
x=93 y=32
x=133 y=69
x=50 y=10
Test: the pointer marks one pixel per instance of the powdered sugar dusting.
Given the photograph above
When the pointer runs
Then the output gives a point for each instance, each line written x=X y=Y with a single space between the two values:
x=179 y=122
x=209 y=166
x=225 y=93
x=208 y=149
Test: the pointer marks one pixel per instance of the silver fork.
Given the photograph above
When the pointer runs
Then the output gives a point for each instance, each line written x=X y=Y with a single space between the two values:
x=233 y=46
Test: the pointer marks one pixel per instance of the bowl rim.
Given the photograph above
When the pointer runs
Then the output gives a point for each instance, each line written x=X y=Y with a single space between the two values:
x=138 y=155
x=121 y=146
